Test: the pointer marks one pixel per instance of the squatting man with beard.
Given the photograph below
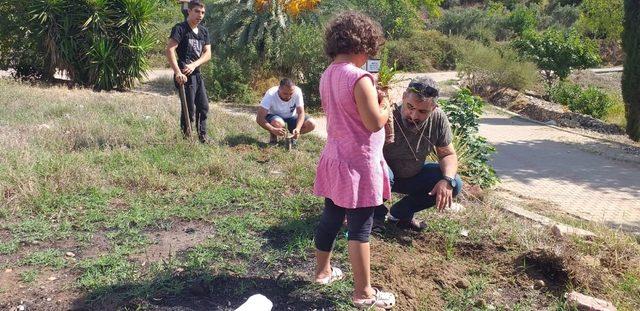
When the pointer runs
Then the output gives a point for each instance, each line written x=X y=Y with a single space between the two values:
x=420 y=127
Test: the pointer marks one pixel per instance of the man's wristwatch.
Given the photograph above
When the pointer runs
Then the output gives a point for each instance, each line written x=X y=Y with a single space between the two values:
x=451 y=181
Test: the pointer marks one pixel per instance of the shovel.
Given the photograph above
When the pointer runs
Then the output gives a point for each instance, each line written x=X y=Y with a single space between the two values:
x=185 y=110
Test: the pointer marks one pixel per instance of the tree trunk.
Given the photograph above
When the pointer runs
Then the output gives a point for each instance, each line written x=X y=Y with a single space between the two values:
x=631 y=73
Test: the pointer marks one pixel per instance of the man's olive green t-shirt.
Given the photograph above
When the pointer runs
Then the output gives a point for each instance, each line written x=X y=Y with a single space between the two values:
x=435 y=133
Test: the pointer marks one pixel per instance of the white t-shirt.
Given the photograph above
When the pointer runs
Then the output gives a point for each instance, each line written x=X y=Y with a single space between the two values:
x=275 y=105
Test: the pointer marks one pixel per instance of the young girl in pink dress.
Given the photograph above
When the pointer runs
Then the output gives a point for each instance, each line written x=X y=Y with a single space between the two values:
x=351 y=174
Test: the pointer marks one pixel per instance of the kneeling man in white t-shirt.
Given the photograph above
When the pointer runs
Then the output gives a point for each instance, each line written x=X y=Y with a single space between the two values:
x=283 y=106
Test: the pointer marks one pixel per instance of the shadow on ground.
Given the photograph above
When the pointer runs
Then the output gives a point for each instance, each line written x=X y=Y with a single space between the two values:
x=199 y=290
x=243 y=139
x=551 y=161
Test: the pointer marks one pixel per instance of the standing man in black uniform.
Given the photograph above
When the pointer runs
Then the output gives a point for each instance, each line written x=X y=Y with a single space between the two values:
x=190 y=40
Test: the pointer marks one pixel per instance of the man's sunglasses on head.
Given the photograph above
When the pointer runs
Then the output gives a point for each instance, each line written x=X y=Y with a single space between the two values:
x=423 y=89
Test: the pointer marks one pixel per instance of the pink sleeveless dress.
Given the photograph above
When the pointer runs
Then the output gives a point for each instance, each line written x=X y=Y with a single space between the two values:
x=352 y=171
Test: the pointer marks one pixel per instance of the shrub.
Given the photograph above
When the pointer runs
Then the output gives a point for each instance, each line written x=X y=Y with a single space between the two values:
x=590 y=101
x=563 y=93
x=562 y=16
x=398 y=18
x=423 y=51
x=602 y=19
x=521 y=19
x=473 y=151
x=471 y=23
x=302 y=59
x=227 y=80
x=593 y=102
x=98 y=43
x=488 y=66
x=19 y=50
x=558 y=52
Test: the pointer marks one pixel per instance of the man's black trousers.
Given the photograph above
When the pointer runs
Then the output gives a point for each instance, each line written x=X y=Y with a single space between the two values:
x=197 y=103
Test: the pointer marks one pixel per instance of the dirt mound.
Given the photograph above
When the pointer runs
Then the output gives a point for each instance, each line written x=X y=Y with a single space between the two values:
x=558 y=268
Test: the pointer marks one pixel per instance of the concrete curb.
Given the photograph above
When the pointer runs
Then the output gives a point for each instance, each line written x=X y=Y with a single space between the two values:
x=564 y=129
x=560 y=230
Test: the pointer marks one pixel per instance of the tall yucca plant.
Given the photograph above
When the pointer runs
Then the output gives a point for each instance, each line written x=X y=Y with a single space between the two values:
x=124 y=41
x=57 y=24
x=103 y=65
x=100 y=43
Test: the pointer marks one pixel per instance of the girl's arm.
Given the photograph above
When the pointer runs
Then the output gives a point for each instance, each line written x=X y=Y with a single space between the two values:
x=373 y=116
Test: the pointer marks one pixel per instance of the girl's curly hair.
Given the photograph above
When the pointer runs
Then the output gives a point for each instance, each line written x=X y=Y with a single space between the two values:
x=352 y=33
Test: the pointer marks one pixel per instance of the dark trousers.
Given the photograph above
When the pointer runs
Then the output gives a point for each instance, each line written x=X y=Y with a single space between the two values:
x=359 y=223
x=197 y=103
x=417 y=190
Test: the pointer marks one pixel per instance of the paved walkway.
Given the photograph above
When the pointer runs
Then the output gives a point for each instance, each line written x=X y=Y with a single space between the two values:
x=547 y=164
x=544 y=163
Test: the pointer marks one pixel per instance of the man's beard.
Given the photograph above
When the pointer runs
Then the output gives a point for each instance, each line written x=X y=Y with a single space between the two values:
x=413 y=126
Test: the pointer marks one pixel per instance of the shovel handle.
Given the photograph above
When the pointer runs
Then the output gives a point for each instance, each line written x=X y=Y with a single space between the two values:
x=185 y=109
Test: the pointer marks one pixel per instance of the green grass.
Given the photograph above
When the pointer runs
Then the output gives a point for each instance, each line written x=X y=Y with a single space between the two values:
x=110 y=179
x=8 y=247
x=466 y=299
x=47 y=258
x=29 y=276
x=116 y=167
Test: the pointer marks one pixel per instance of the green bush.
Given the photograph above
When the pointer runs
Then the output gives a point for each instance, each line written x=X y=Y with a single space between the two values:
x=102 y=44
x=562 y=16
x=601 y=19
x=470 y=23
x=398 y=18
x=423 y=51
x=19 y=50
x=473 y=151
x=563 y=93
x=558 y=52
x=521 y=19
x=590 y=101
x=593 y=102
x=227 y=80
x=487 y=66
x=302 y=59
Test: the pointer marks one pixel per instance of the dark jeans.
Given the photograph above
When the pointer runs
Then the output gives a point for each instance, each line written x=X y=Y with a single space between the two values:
x=359 y=223
x=197 y=103
x=417 y=190
x=290 y=122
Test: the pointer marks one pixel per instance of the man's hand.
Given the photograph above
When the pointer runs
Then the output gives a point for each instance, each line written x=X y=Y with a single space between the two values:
x=181 y=79
x=296 y=133
x=189 y=68
x=278 y=131
x=443 y=193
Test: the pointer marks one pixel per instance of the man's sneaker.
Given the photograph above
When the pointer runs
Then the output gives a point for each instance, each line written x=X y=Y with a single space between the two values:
x=378 y=225
x=412 y=224
x=204 y=139
x=273 y=139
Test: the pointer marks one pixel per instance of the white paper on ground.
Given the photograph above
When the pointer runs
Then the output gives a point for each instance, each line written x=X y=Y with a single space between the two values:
x=256 y=302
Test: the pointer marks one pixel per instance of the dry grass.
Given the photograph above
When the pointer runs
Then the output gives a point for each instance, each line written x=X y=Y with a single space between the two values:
x=110 y=179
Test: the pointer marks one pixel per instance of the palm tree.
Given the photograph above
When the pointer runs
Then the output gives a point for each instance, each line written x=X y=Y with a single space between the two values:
x=257 y=23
